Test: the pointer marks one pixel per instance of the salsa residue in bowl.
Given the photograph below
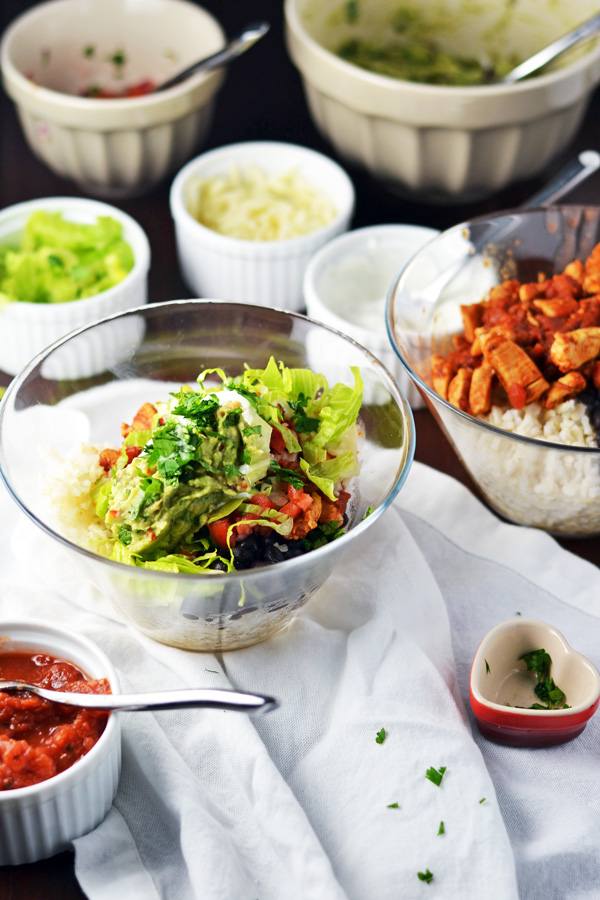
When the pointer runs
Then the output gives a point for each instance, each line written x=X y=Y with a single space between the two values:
x=39 y=738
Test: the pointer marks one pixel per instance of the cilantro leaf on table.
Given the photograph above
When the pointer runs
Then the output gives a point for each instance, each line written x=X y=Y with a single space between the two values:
x=393 y=805
x=442 y=828
x=425 y=876
x=381 y=736
x=435 y=775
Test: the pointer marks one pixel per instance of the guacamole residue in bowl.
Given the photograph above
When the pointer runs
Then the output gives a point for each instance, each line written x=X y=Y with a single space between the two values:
x=58 y=260
x=411 y=50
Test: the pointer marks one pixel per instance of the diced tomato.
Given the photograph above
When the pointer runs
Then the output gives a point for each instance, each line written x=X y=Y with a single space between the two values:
x=299 y=497
x=150 y=535
x=263 y=500
x=113 y=513
x=132 y=452
x=517 y=395
x=291 y=509
x=218 y=532
x=277 y=442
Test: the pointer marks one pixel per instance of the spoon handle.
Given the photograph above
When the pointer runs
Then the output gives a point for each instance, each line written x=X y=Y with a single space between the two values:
x=208 y=698
x=234 y=48
x=583 y=32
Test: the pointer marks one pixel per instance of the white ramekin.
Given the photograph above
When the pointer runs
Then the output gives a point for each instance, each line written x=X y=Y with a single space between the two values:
x=40 y=820
x=367 y=260
x=28 y=328
x=263 y=273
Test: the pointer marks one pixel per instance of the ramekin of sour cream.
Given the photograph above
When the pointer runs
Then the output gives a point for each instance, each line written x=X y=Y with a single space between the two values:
x=346 y=284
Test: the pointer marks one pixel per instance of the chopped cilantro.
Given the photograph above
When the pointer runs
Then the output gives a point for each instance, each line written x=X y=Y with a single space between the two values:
x=351 y=10
x=125 y=535
x=487 y=667
x=482 y=800
x=212 y=671
x=368 y=511
x=381 y=736
x=425 y=876
x=393 y=806
x=118 y=58
x=323 y=534
x=435 y=775
x=539 y=662
x=202 y=410
x=517 y=614
x=441 y=829
x=303 y=424
x=252 y=429
x=251 y=396
x=288 y=475
x=89 y=50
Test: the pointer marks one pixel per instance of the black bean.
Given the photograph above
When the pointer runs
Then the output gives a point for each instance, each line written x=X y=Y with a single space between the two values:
x=219 y=564
x=248 y=550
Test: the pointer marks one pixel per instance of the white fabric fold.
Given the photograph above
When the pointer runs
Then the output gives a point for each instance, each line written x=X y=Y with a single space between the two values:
x=299 y=804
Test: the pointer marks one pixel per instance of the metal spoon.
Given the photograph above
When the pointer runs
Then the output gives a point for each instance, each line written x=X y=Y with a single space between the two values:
x=583 y=32
x=209 y=698
x=236 y=46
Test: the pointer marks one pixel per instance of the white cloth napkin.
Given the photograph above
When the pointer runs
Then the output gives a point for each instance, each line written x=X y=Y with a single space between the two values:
x=300 y=804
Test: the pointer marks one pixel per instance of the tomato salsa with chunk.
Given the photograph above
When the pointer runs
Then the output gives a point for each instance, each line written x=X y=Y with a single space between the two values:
x=39 y=738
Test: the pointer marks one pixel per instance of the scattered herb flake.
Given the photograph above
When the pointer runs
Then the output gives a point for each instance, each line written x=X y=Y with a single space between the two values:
x=435 y=775
x=441 y=829
x=118 y=58
x=393 y=806
x=381 y=736
x=482 y=800
x=351 y=10
x=487 y=667
x=517 y=614
x=89 y=50
x=425 y=876
x=212 y=671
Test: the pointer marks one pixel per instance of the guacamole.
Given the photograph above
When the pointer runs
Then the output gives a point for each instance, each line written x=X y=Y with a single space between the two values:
x=410 y=51
x=244 y=473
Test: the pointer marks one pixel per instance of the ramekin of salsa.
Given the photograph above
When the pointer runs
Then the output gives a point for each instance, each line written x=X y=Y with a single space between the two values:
x=59 y=766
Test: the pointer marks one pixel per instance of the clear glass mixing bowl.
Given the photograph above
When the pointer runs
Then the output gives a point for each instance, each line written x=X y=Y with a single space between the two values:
x=527 y=480
x=82 y=388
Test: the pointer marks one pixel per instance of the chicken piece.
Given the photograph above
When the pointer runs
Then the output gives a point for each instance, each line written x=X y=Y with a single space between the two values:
x=458 y=389
x=308 y=519
x=142 y=421
x=480 y=390
x=575 y=270
x=528 y=292
x=591 y=272
x=441 y=375
x=566 y=387
x=471 y=316
x=108 y=458
x=518 y=374
x=571 y=349
x=559 y=306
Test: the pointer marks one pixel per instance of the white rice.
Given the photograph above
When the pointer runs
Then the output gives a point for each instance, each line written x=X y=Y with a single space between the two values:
x=67 y=483
x=548 y=487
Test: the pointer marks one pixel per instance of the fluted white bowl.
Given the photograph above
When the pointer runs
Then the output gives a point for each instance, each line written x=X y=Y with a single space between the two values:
x=445 y=143
x=28 y=328
x=111 y=147
x=263 y=273
x=42 y=819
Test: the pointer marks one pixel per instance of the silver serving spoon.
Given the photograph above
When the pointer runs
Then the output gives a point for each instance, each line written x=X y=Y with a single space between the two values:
x=234 y=48
x=208 y=698
x=583 y=32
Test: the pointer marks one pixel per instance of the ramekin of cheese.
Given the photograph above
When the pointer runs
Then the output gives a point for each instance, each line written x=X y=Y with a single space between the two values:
x=249 y=216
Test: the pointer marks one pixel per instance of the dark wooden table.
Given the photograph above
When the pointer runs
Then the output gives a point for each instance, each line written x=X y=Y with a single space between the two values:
x=262 y=99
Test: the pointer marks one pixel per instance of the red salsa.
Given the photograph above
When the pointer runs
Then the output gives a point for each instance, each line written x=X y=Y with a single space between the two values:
x=134 y=90
x=38 y=738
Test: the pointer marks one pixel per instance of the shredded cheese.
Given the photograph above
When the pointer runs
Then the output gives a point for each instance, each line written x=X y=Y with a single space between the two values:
x=253 y=205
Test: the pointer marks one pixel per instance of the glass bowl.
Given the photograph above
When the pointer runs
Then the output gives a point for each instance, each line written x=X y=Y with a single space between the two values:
x=143 y=354
x=529 y=481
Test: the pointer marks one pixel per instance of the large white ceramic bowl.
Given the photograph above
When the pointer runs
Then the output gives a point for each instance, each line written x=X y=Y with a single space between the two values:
x=42 y=819
x=346 y=284
x=261 y=272
x=111 y=147
x=444 y=143
x=27 y=328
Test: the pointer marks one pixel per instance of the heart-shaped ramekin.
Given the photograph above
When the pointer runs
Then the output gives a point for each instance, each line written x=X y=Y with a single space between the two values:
x=501 y=687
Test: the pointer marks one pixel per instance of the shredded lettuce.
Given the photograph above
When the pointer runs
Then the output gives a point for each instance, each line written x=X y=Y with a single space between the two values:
x=59 y=261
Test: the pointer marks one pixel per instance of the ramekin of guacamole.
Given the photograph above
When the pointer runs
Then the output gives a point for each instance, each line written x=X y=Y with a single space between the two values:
x=247 y=473
x=58 y=261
